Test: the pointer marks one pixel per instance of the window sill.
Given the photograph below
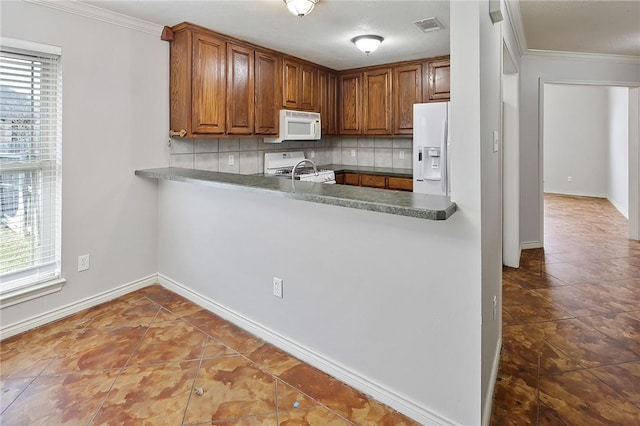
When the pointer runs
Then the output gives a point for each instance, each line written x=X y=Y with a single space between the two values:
x=20 y=295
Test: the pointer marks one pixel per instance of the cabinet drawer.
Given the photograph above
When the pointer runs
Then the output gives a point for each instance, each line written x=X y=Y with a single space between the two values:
x=373 y=181
x=352 y=179
x=402 y=184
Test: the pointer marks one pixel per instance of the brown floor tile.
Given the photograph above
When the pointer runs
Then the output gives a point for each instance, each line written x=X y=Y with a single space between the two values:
x=170 y=301
x=227 y=333
x=341 y=398
x=580 y=398
x=10 y=389
x=154 y=395
x=265 y=420
x=290 y=398
x=232 y=387
x=273 y=359
x=590 y=299
x=582 y=370
x=624 y=328
x=312 y=416
x=169 y=341
x=60 y=400
x=624 y=378
x=515 y=400
x=135 y=313
x=586 y=345
x=142 y=341
x=96 y=349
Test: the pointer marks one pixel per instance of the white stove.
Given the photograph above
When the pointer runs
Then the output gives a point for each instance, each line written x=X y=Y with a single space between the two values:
x=281 y=164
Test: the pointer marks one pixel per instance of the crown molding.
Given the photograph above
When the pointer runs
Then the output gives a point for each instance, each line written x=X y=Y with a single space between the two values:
x=515 y=19
x=103 y=15
x=580 y=56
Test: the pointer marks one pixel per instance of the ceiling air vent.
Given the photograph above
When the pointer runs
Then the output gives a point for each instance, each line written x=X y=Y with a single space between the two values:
x=428 y=25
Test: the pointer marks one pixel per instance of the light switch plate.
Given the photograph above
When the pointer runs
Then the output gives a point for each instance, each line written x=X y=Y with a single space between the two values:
x=231 y=160
x=496 y=141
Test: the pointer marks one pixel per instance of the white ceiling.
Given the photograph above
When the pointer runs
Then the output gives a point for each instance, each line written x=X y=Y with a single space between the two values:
x=606 y=27
x=323 y=37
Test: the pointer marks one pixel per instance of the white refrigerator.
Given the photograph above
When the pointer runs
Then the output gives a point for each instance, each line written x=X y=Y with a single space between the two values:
x=431 y=163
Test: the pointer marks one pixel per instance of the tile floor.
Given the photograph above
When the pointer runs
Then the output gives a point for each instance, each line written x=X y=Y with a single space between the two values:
x=571 y=322
x=154 y=358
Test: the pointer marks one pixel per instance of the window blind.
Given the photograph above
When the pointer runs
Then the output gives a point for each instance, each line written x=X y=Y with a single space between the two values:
x=30 y=166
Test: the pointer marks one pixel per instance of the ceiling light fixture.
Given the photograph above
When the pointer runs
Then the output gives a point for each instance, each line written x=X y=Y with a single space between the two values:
x=367 y=43
x=300 y=7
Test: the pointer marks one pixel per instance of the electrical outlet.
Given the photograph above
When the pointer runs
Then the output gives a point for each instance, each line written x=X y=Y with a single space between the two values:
x=231 y=160
x=496 y=141
x=569 y=178
x=83 y=262
x=401 y=155
x=353 y=153
x=312 y=154
x=495 y=307
x=277 y=287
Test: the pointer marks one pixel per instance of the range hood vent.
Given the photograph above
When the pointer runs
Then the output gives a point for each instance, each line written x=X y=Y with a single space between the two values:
x=429 y=24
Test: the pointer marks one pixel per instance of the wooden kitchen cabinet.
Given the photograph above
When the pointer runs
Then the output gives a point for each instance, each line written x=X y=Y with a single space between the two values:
x=407 y=90
x=400 y=183
x=308 y=78
x=240 y=90
x=373 y=181
x=327 y=99
x=198 y=82
x=350 y=103
x=298 y=85
x=438 y=80
x=352 y=179
x=267 y=93
x=376 y=103
x=290 y=84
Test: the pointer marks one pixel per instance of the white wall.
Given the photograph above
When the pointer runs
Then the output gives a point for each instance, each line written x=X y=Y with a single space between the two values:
x=634 y=163
x=618 y=179
x=115 y=119
x=534 y=68
x=576 y=139
x=491 y=46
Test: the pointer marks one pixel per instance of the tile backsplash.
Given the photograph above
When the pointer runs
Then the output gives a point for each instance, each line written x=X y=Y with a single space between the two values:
x=246 y=155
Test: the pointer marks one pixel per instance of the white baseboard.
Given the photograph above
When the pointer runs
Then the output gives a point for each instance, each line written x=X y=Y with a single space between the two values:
x=488 y=399
x=622 y=211
x=72 y=308
x=393 y=399
x=530 y=245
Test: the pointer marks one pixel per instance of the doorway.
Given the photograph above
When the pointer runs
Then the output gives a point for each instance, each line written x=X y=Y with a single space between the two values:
x=587 y=144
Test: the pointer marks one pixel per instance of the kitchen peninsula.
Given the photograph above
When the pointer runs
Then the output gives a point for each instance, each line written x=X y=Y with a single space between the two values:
x=421 y=206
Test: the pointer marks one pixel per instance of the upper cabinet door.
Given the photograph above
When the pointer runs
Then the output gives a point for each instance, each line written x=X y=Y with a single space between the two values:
x=208 y=84
x=240 y=90
x=332 y=100
x=407 y=86
x=308 y=77
x=350 y=87
x=376 y=102
x=323 y=100
x=290 y=84
x=267 y=93
x=439 y=80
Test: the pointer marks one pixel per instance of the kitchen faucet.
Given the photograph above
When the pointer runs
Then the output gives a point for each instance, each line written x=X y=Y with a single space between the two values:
x=293 y=171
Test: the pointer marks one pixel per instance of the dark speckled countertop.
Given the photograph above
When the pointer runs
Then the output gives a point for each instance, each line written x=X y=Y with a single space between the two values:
x=433 y=207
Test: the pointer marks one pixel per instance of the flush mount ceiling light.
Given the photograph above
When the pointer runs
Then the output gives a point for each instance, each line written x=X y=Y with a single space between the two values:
x=367 y=43
x=300 y=7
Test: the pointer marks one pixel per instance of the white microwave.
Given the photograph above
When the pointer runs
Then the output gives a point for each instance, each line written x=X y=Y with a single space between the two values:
x=297 y=126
